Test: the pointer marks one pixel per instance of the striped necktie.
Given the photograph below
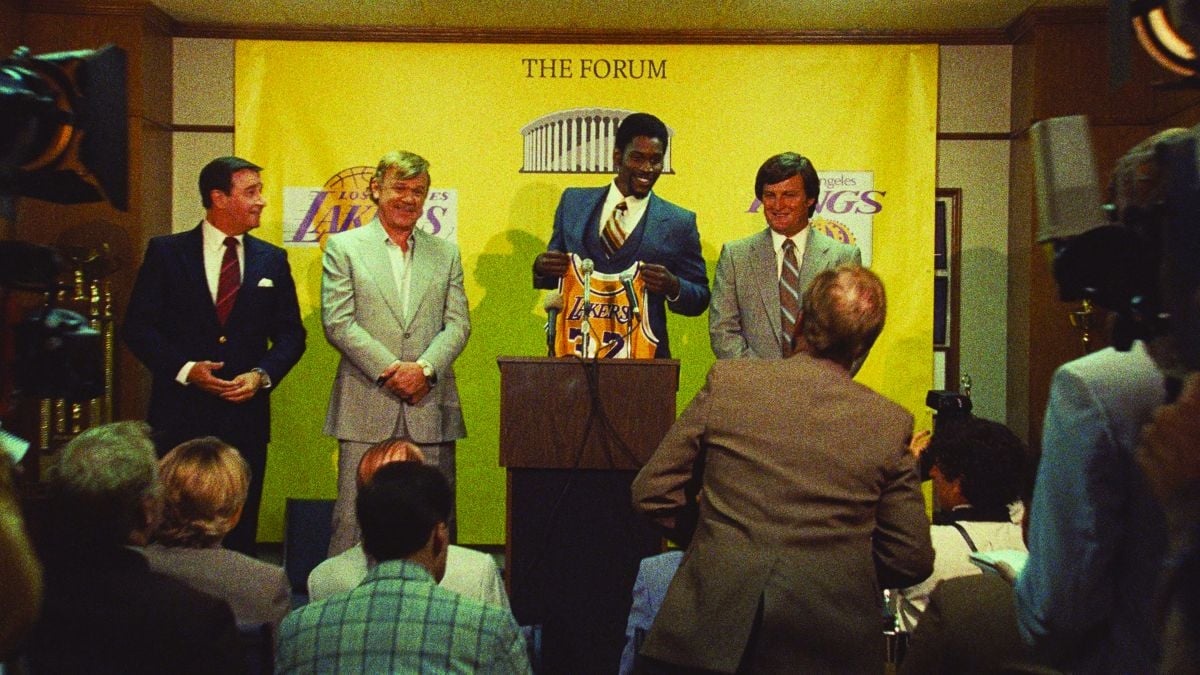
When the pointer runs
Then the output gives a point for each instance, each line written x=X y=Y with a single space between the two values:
x=230 y=280
x=612 y=235
x=789 y=296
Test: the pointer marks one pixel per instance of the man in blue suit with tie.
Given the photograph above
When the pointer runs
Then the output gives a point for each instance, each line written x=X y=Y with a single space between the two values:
x=625 y=224
x=214 y=316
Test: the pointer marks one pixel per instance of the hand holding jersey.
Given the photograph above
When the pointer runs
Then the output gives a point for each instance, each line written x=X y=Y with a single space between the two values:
x=615 y=330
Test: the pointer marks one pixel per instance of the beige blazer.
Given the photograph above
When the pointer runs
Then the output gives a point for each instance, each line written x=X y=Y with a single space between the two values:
x=364 y=321
x=810 y=505
x=743 y=319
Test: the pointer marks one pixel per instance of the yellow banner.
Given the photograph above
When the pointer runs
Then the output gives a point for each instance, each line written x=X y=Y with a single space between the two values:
x=507 y=127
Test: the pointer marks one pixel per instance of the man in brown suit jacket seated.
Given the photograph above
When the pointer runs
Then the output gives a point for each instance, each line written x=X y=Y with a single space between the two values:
x=810 y=503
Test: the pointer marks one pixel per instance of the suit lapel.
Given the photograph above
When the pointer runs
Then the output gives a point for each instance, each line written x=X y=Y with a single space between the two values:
x=193 y=267
x=816 y=256
x=374 y=252
x=766 y=279
x=639 y=235
x=424 y=261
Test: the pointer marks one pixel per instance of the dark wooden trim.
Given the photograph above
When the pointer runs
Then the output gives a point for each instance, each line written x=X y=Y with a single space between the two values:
x=1020 y=29
x=161 y=126
x=148 y=11
x=975 y=136
x=204 y=128
x=579 y=36
x=954 y=246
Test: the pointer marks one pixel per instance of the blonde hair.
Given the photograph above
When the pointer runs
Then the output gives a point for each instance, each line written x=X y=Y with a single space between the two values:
x=386 y=452
x=403 y=163
x=205 y=482
x=844 y=311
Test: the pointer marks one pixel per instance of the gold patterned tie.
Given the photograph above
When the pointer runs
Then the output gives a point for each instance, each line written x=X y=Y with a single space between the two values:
x=612 y=234
x=789 y=296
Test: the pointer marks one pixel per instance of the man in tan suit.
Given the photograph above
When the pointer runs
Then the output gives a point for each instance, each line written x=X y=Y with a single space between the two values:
x=392 y=302
x=809 y=503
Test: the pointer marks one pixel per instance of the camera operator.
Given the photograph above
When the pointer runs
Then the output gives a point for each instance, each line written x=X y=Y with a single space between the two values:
x=1170 y=457
x=1096 y=535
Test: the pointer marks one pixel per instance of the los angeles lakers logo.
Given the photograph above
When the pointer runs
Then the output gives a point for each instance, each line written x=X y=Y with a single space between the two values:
x=344 y=203
x=613 y=331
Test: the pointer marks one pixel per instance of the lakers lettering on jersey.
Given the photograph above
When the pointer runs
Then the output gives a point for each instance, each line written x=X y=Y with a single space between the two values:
x=615 y=332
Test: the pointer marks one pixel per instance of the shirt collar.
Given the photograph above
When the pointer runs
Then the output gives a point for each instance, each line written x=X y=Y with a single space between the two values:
x=631 y=201
x=399 y=569
x=799 y=239
x=388 y=241
x=214 y=239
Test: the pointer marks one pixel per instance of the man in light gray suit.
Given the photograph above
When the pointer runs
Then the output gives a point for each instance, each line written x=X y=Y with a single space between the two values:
x=749 y=315
x=392 y=302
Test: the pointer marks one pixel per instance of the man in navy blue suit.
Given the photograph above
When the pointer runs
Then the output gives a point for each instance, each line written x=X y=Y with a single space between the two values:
x=649 y=230
x=214 y=316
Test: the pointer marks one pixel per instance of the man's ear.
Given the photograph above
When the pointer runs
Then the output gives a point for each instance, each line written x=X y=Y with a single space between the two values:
x=440 y=538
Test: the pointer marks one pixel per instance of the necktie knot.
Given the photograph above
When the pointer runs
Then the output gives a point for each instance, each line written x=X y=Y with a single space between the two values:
x=612 y=233
x=231 y=242
x=788 y=245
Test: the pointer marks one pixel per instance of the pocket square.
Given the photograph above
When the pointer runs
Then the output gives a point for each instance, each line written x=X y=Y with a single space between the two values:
x=266 y=283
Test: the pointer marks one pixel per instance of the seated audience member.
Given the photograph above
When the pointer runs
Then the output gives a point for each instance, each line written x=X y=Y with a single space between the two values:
x=470 y=573
x=804 y=514
x=20 y=573
x=1170 y=458
x=970 y=622
x=204 y=484
x=398 y=620
x=976 y=479
x=105 y=610
x=653 y=578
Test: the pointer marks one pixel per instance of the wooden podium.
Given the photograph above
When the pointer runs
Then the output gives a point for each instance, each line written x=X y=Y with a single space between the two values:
x=573 y=434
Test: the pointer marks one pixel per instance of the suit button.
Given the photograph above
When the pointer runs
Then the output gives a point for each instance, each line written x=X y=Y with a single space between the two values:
x=222 y=339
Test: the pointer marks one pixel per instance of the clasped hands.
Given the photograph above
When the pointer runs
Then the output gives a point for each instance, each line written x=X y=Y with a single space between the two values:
x=658 y=279
x=239 y=389
x=405 y=379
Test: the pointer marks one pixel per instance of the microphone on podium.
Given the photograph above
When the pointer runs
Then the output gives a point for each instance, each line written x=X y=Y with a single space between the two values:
x=553 y=305
x=627 y=283
x=586 y=267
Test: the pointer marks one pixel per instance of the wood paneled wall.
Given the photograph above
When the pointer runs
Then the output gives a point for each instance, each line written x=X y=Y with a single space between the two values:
x=1060 y=67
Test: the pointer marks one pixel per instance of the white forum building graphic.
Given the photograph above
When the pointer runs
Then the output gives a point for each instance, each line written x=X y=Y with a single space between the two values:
x=579 y=140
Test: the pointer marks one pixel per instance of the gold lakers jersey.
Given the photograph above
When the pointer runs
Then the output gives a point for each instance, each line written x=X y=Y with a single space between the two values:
x=615 y=333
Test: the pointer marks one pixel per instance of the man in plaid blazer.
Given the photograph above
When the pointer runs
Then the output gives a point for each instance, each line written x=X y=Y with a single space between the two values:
x=399 y=620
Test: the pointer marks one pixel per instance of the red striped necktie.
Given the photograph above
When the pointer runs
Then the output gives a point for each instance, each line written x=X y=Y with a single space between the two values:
x=230 y=280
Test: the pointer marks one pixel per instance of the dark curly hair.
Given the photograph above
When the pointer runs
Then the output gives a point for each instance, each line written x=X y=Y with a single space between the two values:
x=986 y=455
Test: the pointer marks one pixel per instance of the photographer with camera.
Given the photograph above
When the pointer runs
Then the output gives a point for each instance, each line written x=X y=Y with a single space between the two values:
x=1097 y=537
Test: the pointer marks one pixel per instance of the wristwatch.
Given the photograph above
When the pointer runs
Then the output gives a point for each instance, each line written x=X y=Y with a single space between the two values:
x=265 y=377
x=428 y=371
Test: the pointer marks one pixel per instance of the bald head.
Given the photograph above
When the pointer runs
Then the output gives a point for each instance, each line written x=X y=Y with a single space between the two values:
x=386 y=452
